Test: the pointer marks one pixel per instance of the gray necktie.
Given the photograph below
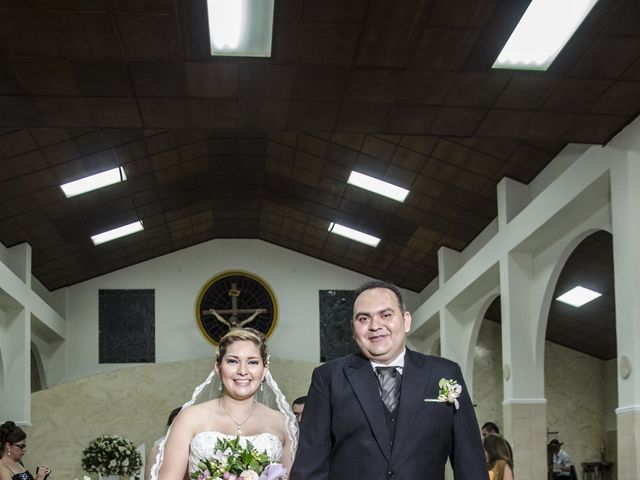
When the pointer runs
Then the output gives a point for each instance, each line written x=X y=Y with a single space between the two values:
x=389 y=382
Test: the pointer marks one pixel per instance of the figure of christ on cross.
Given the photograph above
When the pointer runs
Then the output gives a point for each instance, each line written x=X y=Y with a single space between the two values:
x=233 y=321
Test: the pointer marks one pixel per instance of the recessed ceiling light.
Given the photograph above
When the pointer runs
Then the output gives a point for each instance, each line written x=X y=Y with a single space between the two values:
x=354 y=234
x=578 y=296
x=378 y=186
x=542 y=32
x=93 y=182
x=117 y=233
x=241 y=28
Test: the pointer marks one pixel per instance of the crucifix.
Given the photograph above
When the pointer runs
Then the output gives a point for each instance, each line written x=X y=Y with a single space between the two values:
x=233 y=321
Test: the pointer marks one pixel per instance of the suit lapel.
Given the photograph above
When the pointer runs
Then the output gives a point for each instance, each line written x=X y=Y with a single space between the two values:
x=364 y=384
x=417 y=374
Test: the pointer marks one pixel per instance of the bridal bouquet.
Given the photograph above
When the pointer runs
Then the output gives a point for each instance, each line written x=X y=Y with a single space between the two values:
x=232 y=461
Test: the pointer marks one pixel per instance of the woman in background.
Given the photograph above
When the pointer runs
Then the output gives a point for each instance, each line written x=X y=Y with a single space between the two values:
x=14 y=446
x=499 y=461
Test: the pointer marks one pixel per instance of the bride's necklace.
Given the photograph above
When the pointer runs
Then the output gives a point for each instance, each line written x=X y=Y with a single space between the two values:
x=237 y=424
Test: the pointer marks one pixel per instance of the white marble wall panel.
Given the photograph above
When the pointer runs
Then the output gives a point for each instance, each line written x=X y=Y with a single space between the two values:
x=575 y=389
x=488 y=390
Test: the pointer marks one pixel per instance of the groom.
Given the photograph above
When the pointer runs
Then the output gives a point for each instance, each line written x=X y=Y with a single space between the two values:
x=363 y=421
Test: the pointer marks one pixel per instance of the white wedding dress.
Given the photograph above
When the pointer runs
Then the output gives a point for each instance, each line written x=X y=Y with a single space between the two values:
x=203 y=446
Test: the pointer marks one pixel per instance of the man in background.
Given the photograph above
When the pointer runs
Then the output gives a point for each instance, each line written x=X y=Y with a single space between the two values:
x=298 y=407
x=489 y=428
x=151 y=458
x=560 y=462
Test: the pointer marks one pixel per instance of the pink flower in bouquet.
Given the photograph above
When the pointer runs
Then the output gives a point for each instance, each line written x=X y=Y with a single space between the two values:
x=273 y=471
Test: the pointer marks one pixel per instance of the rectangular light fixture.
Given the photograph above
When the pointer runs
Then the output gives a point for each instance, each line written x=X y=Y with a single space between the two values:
x=93 y=182
x=354 y=234
x=578 y=296
x=117 y=233
x=542 y=32
x=380 y=187
x=241 y=28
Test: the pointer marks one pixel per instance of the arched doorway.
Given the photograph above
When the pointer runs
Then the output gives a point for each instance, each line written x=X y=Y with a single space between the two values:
x=580 y=353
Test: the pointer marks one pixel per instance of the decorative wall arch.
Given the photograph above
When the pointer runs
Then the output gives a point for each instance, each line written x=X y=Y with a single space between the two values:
x=426 y=338
x=38 y=366
x=477 y=322
x=482 y=306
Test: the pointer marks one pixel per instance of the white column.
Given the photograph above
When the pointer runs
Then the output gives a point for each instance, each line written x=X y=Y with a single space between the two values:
x=15 y=394
x=525 y=417
x=15 y=333
x=625 y=212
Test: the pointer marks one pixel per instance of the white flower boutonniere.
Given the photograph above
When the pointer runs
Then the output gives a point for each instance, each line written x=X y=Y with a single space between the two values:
x=449 y=392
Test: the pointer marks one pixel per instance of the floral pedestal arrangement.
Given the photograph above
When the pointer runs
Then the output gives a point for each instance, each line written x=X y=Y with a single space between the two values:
x=111 y=457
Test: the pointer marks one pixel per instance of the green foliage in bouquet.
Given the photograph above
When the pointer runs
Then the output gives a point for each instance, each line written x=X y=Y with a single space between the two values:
x=232 y=458
x=111 y=455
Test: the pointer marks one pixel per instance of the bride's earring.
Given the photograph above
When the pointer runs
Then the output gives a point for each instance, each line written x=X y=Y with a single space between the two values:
x=220 y=387
x=262 y=385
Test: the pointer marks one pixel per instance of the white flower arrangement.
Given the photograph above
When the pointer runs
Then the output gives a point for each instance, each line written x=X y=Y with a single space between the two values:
x=111 y=455
x=449 y=391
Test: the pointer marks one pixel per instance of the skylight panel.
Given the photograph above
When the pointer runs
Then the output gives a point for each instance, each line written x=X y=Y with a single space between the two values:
x=242 y=28
x=93 y=182
x=380 y=187
x=119 y=232
x=543 y=31
x=352 y=234
x=578 y=296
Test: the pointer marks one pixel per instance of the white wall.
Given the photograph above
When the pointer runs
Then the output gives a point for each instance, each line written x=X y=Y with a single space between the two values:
x=178 y=277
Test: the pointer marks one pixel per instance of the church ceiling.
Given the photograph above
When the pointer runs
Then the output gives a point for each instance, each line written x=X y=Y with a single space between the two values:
x=262 y=148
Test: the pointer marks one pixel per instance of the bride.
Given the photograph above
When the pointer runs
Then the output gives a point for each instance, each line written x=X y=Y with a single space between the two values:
x=242 y=365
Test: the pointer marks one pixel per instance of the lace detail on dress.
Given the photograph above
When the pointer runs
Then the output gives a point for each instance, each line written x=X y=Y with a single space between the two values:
x=203 y=446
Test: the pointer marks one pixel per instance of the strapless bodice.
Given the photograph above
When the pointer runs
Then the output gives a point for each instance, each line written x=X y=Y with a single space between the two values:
x=203 y=446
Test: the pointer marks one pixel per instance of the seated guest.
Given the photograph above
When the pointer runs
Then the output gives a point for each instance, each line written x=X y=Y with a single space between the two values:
x=14 y=446
x=298 y=407
x=499 y=461
x=560 y=461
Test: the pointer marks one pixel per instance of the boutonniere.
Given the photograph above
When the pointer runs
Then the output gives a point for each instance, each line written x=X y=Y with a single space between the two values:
x=449 y=392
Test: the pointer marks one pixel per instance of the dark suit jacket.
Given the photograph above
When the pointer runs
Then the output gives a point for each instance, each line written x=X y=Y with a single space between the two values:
x=344 y=432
